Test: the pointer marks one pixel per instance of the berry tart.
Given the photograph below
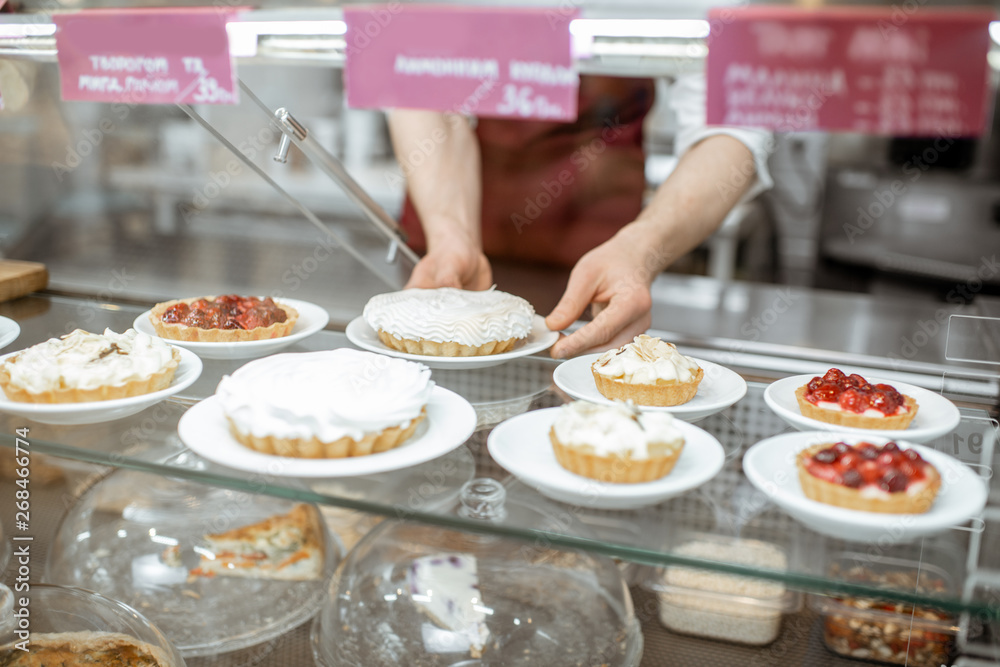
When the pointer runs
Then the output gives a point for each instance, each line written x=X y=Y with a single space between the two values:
x=850 y=400
x=647 y=371
x=868 y=477
x=449 y=322
x=615 y=443
x=82 y=366
x=223 y=319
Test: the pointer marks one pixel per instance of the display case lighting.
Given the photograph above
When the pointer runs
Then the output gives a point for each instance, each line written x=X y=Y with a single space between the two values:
x=640 y=28
x=21 y=30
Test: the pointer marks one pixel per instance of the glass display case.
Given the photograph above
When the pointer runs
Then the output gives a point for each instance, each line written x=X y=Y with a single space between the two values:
x=718 y=570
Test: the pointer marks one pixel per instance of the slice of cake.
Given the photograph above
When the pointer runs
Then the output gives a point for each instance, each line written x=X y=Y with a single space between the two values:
x=446 y=588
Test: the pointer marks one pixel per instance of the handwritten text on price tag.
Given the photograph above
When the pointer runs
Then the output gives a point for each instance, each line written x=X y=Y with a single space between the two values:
x=146 y=56
x=483 y=61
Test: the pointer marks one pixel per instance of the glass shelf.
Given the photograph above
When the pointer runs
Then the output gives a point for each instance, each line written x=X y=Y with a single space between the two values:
x=727 y=506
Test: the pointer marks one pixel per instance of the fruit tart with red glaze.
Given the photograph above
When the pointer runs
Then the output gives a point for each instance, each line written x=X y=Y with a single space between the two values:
x=223 y=319
x=868 y=477
x=850 y=400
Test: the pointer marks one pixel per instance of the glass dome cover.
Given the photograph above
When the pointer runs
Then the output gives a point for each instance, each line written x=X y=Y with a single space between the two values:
x=217 y=570
x=74 y=621
x=423 y=596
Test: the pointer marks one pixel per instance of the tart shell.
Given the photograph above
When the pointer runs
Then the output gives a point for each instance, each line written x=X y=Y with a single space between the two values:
x=191 y=334
x=661 y=394
x=617 y=468
x=445 y=349
x=839 y=495
x=314 y=448
x=854 y=420
x=147 y=385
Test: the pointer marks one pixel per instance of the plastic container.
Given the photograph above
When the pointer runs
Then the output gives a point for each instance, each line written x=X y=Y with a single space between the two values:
x=421 y=596
x=85 y=623
x=896 y=633
x=727 y=607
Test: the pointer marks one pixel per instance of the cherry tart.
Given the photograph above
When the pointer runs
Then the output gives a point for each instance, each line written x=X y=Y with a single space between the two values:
x=850 y=400
x=867 y=477
x=223 y=319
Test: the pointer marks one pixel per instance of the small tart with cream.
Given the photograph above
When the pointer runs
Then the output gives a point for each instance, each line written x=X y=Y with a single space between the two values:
x=867 y=477
x=850 y=400
x=647 y=371
x=449 y=322
x=223 y=319
x=615 y=443
x=81 y=367
x=330 y=404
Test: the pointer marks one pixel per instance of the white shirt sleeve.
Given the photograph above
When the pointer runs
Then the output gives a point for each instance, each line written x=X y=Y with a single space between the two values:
x=687 y=99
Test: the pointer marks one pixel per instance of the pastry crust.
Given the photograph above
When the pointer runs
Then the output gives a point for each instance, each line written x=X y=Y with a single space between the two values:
x=155 y=382
x=839 y=495
x=854 y=420
x=191 y=334
x=80 y=649
x=314 y=448
x=616 y=468
x=661 y=394
x=287 y=547
x=445 y=349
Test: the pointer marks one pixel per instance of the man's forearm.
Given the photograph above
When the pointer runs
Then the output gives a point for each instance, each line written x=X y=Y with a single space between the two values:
x=439 y=154
x=691 y=204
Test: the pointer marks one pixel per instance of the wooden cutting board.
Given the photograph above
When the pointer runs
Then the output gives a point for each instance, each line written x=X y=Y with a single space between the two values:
x=18 y=278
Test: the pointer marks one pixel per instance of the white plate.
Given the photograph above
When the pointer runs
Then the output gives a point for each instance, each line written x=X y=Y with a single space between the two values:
x=770 y=466
x=521 y=446
x=450 y=422
x=540 y=338
x=94 y=412
x=312 y=318
x=719 y=388
x=9 y=331
x=936 y=416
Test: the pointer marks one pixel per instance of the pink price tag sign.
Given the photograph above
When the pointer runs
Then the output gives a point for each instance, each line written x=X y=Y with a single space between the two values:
x=146 y=56
x=485 y=61
x=892 y=71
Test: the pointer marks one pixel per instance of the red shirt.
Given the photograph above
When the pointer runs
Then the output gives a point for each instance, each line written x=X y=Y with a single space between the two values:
x=552 y=191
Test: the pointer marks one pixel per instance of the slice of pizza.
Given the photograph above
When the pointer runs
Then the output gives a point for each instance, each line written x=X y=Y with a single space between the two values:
x=287 y=546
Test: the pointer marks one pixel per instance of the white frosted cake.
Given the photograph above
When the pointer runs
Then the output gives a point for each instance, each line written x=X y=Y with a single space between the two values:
x=446 y=588
x=615 y=443
x=647 y=371
x=83 y=366
x=449 y=322
x=327 y=404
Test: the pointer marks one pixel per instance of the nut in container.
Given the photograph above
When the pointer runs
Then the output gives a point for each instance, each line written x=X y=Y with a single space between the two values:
x=897 y=633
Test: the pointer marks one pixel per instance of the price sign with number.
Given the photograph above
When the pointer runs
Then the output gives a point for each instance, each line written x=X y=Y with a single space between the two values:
x=483 y=61
x=146 y=56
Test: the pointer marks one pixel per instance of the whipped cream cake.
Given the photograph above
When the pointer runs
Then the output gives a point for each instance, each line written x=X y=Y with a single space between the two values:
x=446 y=588
x=329 y=404
x=449 y=322
x=647 y=371
x=82 y=366
x=615 y=443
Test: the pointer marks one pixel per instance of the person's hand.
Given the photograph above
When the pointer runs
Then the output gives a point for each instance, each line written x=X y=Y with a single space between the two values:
x=452 y=265
x=613 y=279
